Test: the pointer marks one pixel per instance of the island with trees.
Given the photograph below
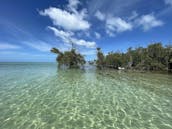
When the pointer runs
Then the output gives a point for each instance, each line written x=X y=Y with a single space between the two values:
x=69 y=59
x=154 y=57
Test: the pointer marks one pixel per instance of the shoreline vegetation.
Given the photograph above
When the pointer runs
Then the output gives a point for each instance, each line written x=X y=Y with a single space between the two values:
x=154 y=57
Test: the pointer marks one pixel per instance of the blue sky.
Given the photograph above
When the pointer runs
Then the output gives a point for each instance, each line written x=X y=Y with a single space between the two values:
x=30 y=28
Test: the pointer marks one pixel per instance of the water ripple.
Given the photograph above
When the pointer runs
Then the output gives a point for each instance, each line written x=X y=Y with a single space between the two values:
x=41 y=98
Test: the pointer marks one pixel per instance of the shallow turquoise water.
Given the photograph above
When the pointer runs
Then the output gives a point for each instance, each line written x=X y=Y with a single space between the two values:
x=38 y=96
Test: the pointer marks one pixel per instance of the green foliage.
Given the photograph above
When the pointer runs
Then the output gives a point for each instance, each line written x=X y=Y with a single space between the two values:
x=118 y=57
x=153 y=57
x=101 y=61
x=70 y=59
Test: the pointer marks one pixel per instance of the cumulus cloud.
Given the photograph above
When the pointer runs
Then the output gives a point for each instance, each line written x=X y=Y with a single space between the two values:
x=82 y=42
x=67 y=20
x=38 y=45
x=5 y=46
x=149 y=21
x=117 y=25
x=114 y=25
x=67 y=37
x=100 y=16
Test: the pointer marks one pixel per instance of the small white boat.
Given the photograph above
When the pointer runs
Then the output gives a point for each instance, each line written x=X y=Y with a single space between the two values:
x=121 y=68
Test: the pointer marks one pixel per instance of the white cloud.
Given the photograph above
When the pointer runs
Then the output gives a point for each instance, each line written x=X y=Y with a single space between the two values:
x=114 y=25
x=67 y=20
x=168 y=2
x=148 y=22
x=73 y=5
x=82 y=42
x=100 y=16
x=98 y=36
x=39 y=45
x=67 y=38
x=117 y=25
x=4 y=46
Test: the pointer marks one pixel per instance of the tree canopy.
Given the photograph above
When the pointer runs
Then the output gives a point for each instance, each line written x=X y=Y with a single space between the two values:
x=70 y=59
x=154 y=57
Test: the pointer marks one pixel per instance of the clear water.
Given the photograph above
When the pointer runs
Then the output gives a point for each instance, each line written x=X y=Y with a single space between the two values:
x=38 y=96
